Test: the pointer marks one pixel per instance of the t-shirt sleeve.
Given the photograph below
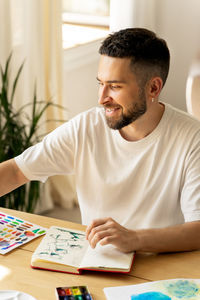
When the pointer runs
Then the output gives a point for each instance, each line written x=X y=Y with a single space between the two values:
x=54 y=155
x=190 y=195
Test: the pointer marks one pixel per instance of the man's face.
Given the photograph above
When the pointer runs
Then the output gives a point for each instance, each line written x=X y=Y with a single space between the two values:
x=124 y=101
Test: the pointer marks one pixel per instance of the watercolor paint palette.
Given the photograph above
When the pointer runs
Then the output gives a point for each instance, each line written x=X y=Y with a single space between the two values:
x=15 y=232
x=73 y=293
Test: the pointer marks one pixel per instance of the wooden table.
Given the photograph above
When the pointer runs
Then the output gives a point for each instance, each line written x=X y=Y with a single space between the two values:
x=16 y=273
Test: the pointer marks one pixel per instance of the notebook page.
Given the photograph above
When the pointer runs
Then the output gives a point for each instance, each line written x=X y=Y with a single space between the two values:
x=106 y=257
x=63 y=246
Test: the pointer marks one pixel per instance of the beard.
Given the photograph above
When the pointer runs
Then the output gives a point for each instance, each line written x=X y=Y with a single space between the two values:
x=135 y=111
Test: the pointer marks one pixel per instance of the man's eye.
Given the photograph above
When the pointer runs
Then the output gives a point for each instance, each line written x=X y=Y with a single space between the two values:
x=115 y=87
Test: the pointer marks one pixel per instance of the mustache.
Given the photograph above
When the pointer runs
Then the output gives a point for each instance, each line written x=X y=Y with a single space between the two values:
x=111 y=106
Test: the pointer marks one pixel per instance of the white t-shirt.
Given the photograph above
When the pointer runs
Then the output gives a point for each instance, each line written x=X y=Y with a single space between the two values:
x=150 y=183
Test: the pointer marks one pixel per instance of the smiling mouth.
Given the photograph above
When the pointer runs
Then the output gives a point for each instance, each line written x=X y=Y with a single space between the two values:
x=110 y=111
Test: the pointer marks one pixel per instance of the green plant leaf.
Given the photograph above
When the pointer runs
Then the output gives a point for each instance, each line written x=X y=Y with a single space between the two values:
x=15 y=82
x=19 y=130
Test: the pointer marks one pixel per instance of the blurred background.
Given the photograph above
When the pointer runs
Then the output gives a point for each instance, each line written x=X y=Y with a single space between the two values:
x=58 y=42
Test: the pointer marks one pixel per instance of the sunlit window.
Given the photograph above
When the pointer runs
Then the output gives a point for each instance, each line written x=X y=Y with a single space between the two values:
x=84 y=21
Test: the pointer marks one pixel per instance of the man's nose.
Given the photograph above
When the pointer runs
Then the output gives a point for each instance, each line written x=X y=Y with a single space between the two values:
x=104 y=95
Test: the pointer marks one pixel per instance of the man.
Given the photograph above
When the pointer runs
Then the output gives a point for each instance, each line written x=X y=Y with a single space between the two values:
x=136 y=159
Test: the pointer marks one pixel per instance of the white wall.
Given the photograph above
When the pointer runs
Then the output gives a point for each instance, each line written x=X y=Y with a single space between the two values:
x=177 y=21
x=80 y=84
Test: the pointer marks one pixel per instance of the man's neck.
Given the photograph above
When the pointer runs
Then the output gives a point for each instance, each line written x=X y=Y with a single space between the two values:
x=145 y=124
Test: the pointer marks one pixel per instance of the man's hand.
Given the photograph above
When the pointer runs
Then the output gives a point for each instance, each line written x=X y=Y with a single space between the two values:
x=183 y=237
x=107 y=231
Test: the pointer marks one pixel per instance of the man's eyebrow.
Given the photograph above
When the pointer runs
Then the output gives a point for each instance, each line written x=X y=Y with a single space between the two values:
x=112 y=81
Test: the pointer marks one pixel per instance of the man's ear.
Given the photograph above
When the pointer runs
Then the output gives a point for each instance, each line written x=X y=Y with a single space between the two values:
x=154 y=87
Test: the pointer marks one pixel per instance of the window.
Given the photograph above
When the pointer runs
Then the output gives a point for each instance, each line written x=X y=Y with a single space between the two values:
x=84 y=21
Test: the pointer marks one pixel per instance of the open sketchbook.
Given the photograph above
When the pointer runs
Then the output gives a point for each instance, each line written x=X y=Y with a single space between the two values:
x=67 y=250
x=172 y=289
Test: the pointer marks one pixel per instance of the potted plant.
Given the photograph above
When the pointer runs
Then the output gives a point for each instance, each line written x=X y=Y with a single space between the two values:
x=18 y=131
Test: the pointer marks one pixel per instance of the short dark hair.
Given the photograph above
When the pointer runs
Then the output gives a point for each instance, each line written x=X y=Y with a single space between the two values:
x=149 y=54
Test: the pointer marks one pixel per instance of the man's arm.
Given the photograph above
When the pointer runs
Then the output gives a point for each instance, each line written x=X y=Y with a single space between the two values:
x=184 y=237
x=11 y=177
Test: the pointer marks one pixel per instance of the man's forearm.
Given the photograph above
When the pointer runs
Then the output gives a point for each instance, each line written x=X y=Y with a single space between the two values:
x=184 y=237
x=10 y=177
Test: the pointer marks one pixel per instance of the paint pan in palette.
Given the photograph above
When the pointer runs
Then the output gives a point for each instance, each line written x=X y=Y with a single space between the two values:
x=15 y=232
x=73 y=293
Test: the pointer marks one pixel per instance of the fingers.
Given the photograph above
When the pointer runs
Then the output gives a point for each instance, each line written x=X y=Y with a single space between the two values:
x=98 y=237
x=102 y=231
x=95 y=224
